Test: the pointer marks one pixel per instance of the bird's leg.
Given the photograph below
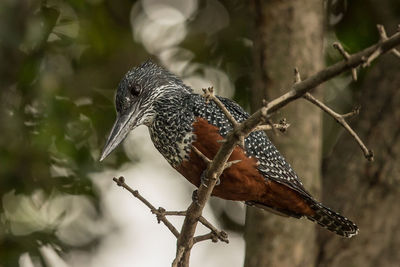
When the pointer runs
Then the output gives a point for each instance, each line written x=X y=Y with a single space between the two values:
x=203 y=178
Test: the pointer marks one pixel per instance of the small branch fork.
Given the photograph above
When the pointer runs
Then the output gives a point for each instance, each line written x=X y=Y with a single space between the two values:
x=161 y=214
x=378 y=51
x=260 y=120
x=340 y=118
x=346 y=56
x=209 y=95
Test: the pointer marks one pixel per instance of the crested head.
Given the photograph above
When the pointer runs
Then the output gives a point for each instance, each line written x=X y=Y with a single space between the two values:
x=143 y=84
x=136 y=95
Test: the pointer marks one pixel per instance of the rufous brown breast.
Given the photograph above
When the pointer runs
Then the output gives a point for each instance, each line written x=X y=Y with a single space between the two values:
x=242 y=181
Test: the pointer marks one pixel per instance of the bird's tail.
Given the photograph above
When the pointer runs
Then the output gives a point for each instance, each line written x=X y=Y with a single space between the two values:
x=333 y=221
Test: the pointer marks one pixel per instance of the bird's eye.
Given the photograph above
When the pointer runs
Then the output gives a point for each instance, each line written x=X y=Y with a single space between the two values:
x=135 y=89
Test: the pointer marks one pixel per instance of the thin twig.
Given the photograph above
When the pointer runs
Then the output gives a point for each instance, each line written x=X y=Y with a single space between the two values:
x=230 y=163
x=161 y=213
x=378 y=51
x=209 y=95
x=297 y=77
x=346 y=56
x=341 y=119
x=211 y=236
x=121 y=182
x=383 y=36
x=175 y=213
x=201 y=155
x=281 y=126
x=221 y=235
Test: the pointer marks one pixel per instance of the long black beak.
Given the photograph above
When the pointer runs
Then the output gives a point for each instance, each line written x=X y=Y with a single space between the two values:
x=120 y=130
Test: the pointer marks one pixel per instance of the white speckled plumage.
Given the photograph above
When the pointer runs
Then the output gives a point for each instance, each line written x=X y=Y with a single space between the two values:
x=169 y=108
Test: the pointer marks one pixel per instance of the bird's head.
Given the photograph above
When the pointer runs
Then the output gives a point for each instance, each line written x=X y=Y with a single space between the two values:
x=136 y=94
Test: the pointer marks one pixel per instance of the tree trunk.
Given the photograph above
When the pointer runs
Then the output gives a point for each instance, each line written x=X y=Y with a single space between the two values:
x=368 y=191
x=288 y=34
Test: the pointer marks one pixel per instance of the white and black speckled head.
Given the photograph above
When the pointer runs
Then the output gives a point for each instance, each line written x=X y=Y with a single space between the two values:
x=135 y=98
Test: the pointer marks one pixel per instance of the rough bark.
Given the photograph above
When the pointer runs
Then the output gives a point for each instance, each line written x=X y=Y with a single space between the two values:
x=369 y=192
x=288 y=34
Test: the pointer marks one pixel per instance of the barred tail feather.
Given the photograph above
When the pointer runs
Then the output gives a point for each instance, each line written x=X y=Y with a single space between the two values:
x=333 y=221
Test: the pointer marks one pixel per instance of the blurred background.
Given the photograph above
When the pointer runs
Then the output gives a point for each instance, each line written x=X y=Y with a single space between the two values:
x=60 y=63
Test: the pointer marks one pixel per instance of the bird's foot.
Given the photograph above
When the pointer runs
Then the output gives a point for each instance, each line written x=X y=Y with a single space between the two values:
x=203 y=179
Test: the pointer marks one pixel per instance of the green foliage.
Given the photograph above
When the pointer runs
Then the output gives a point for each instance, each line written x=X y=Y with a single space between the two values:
x=54 y=114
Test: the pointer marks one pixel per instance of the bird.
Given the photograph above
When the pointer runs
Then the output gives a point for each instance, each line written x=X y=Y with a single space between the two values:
x=181 y=121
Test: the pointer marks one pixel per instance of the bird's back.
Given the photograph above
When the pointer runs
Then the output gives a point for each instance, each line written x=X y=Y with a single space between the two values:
x=270 y=162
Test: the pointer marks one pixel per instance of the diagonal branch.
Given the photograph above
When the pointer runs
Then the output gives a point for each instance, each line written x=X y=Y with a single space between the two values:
x=209 y=95
x=161 y=214
x=383 y=36
x=341 y=119
x=282 y=126
x=221 y=235
x=121 y=182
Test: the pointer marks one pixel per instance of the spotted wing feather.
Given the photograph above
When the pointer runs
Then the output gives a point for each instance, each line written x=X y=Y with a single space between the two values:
x=272 y=163
x=273 y=166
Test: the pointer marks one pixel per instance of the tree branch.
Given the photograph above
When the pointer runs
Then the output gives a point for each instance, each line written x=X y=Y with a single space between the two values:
x=369 y=155
x=201 y=155
x=221 y=235
x=298 y=89
x=121 y=182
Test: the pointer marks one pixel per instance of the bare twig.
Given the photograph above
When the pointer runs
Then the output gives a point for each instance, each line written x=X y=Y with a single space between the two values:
x=341 y=119
x=378 y=51
x=121 y=182
x=346 y=56
x=297 y=77
x=230 y=163
x=211 y=236
x=221 y=235
x=209 y=95
x=161 y=213
x=175 y=213
x=282 y=126
x=352 y=113
x=201 y=155
x=383 y=36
